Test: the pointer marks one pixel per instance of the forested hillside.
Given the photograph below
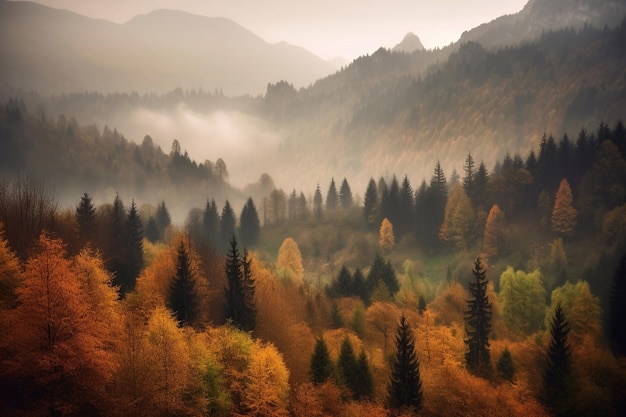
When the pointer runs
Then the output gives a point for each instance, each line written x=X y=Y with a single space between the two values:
x=491 y=292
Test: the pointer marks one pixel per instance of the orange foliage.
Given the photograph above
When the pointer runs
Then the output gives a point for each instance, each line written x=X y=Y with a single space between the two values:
x=450 y=305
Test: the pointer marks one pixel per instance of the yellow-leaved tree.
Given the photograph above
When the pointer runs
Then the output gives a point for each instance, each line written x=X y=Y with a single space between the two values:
x=459 y=217
x=494 y=230
x=289 y=262
x=564 y=215
x=9 y=273
x=386 y=239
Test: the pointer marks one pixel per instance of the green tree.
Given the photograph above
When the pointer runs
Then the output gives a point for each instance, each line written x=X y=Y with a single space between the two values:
x=211 y=224
x=617 y=309
x=364 y=383
x=522 y=300
x=505 y=365
x=370 y=203
x=332 y=198
x=163 y=219
x=235 y=295
x=249 y=290
x=227 y=226
x=317 y=202
x=478 y=323
x=556 y=373
x=405 y=211
x=345 y=195
x=382 y=271
x=347 y=366
x=405 y=385
x=183 y=298
x=321 y=364
x=86 y=218
x=250 y=226
x=135 y=262
x=458 y=222
x=470 y=177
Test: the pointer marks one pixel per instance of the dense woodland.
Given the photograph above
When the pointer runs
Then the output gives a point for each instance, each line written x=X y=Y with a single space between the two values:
x=483 y=292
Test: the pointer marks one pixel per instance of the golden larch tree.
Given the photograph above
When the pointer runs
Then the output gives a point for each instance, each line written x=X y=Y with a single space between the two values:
x=459 y=218
x=386 y=239
x=564 y=215
x=289 y=262
x=494 y=229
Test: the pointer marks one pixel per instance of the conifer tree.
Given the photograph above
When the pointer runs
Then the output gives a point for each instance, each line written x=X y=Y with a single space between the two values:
x=405 y=210
x=135 y=248
x=235 y=301
x=478 y=323
x=163 y=219
x=317 y=202
x=210 y=224
x=364 y=383
x=86 y=217
x=344 y=283
x=617 y=309
x=347 y=365
x=249 y=289
x=564 y=214
x=321 y=363
x=557 y=371
x=370 y=203
x=332 y=197
x=183 y=299
x=227 y=226
x=405 y=385
x=345 y=195
x=359 y=286
x=469 y=178
x=250 y=226
x=505 y=365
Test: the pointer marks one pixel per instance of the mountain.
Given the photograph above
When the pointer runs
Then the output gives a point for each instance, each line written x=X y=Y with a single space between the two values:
x=410 y=43
x=540 y=16
x=54 y=51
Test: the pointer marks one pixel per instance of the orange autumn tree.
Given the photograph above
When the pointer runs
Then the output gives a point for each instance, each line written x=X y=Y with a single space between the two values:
x=9 y=273
x=386 y=239
x=57 y=352
x=492 y=240
x=564 y=215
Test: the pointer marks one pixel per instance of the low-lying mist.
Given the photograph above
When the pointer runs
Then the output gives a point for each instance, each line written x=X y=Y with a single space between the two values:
x=246 y=143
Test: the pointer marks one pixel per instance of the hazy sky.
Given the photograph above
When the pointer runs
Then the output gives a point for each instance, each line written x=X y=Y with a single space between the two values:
x=328 y=28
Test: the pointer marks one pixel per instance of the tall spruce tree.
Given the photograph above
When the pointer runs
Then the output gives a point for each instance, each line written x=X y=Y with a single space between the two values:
x=240 y=304
x=370 y=202
x=227 y=226
x=332 y=198
x=183 y=298
x=406 y=210
x=405 y=385
x=478 y=323
x=347 y=365
x=86 y=218
x=163 y=219
x=557 y=371
x=345 y=195
x=364 y=383
x=211 y=224
x=617 y=310
x=134 y=263
x=321 y=364
x=250 y=226
x=317 y=202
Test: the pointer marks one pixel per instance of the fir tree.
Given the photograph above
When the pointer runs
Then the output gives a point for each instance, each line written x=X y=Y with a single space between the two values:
x=336 y=322
x=478 y=324
x=183 y=299
x=135 y=246
x=347 y=365
x=163 y=219
x=557 y=371
x=250 y=226
x=332 y=197
x=317 y=202
x=360 y=286
x=227 y=226
x=249 y=289
x=370 y=202
x=86 y=217
x=321 y=363
x=364 y=383
x=405 y=210
x=211 y=224
x=405 y=386
x=469 y=178
x=152 y=230
x=505 y=365
x=235 y=300
x=617 y=310
x=345 y=195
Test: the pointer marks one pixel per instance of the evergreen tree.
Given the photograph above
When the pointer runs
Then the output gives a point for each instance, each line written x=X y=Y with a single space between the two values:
x=347 y=366
x=317 y=202
x=134 y=263
x=336 y=322
x=321 y=363
x=405 y=385
x=505 y=365
x=332 y=198
x=235 y=298
x=382 y=271
x=227 y=226
x=360 y=286
x=117 y=243
x=345 y=195
x=557 y=371
x=405 y=211
x=421 y=304
x=152 y=230
x=182 y=298
x=301 y=208
x=344 y=283
x=617 y=310
x=478 y=324
x=210 y=224
x=86 y=218
x=249 y=289
x=250 y=226
x=435 y=205
x=480 y=186
x=469 y=178
x=364 y=383
x=163 y=219
x=421 y=213
x=390 y=202
x=370 y=203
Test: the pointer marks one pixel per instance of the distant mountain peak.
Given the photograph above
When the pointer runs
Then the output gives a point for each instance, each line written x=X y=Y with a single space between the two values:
x=410 y=43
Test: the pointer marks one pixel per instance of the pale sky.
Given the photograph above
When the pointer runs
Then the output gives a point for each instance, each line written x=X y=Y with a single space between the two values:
x=328 y=28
